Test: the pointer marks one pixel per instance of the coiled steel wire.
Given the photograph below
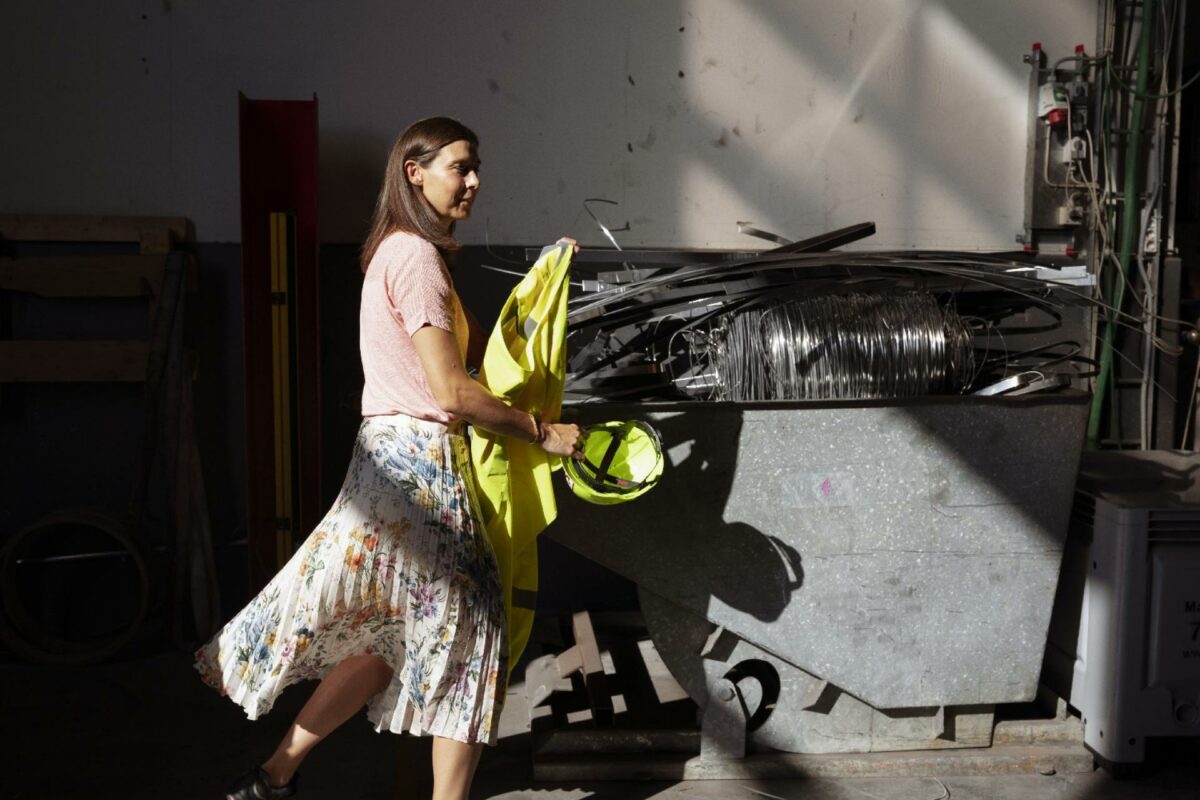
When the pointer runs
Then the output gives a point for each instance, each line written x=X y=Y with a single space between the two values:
x=840 y=347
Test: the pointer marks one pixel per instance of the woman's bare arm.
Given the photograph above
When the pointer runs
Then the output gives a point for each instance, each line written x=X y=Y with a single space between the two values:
x=458 y=394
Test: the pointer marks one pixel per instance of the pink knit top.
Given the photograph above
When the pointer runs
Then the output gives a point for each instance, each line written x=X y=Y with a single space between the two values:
x=406 y=288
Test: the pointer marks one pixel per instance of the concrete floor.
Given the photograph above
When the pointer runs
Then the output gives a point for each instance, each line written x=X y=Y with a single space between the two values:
x=149 y=729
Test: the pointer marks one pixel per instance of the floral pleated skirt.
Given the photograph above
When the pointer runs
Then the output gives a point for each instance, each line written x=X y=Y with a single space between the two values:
x=399 y=568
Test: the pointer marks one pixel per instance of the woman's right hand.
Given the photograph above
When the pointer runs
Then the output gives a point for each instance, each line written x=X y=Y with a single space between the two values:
x=561 y=439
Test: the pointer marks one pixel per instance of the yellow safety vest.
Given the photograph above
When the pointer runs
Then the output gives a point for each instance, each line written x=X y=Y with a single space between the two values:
x=524 y=365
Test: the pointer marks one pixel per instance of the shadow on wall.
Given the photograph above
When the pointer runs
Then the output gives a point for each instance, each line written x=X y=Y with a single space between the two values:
x=898 y=109
x=350 y=172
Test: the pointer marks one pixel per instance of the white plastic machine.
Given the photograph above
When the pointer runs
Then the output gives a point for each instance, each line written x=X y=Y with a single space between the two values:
x=1125 y=639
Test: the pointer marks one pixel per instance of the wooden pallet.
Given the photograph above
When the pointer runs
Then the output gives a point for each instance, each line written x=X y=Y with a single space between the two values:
x=86 y=276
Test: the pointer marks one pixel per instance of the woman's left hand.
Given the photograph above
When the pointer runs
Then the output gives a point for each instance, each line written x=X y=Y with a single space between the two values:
x=561 y=439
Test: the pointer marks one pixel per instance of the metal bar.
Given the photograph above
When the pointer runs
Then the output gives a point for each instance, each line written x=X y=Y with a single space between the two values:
x=86 y=556
x=587 y=255
x=816 y=244
x=829 y=241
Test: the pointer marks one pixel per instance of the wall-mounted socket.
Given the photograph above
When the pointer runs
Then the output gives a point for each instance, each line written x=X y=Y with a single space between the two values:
x=1070 y=215
x=1075 y=149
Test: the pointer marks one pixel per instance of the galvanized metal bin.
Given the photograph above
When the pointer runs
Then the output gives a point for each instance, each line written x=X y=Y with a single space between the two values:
x=1125 y=637
x=894 y=562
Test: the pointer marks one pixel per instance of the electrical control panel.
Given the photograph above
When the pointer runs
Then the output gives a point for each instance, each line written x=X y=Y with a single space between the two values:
x=1060 y=167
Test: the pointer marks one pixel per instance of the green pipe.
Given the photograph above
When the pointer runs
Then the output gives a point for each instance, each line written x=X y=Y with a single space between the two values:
x=1129 y=213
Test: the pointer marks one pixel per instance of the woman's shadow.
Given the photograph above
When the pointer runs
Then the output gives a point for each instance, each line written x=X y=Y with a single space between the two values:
x=675 y=540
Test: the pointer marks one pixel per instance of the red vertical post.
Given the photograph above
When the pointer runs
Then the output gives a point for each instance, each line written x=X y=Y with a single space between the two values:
x=278 y=165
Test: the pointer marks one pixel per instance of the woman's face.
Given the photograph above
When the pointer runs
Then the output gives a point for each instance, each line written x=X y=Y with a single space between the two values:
x=449 y=182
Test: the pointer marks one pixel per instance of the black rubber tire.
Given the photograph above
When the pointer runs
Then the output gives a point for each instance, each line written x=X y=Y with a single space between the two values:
x=21 y=634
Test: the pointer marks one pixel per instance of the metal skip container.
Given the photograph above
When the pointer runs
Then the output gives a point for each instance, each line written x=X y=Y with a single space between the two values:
x=869 y=575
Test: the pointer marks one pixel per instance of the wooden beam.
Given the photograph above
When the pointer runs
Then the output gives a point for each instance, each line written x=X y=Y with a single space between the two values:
x=154 y=233
x=74 y=361
x=83 y=276
x=592 y=667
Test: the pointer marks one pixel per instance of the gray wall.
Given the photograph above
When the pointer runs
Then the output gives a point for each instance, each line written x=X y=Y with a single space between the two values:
x=798 y=116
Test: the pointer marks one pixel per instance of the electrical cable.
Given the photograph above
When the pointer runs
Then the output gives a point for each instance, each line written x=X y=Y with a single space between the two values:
x=1130 y=165
x=487 y=246
x=1149 y=96
x=1191 y=412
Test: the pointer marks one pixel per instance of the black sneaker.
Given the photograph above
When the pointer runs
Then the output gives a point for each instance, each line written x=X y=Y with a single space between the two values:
x=255 y=785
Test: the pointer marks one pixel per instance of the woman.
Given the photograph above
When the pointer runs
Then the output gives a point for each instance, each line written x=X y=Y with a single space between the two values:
x=394 y=599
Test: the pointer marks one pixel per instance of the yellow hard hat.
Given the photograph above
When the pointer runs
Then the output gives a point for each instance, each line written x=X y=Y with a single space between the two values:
x=621 y=461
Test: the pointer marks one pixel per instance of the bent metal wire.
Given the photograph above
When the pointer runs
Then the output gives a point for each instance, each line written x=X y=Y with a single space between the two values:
x=711 y=325
x=840 y=347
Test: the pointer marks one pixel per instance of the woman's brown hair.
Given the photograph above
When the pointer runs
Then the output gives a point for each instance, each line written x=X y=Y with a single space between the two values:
x=401 y=205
